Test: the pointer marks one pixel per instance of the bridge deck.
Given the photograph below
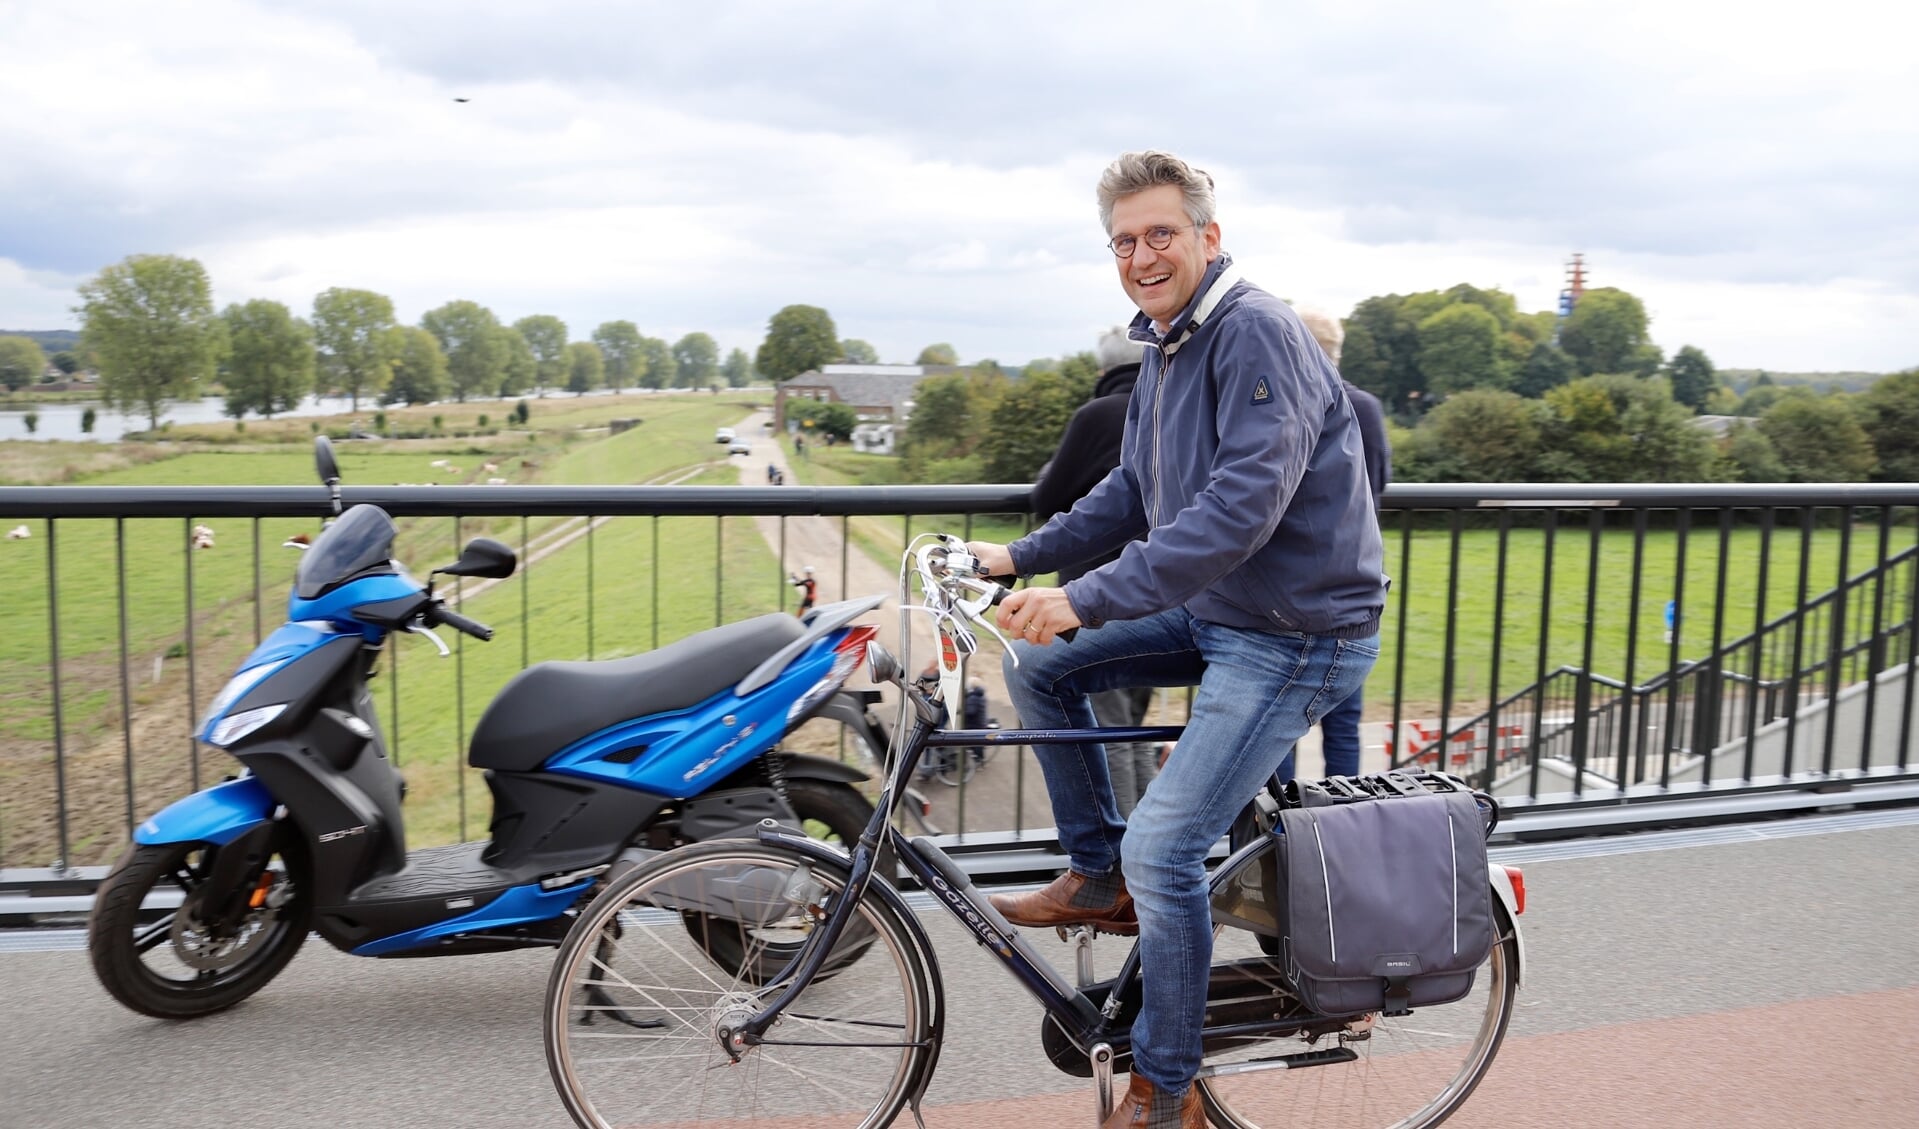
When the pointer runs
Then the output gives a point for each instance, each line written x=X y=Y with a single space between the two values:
x=1726 y=978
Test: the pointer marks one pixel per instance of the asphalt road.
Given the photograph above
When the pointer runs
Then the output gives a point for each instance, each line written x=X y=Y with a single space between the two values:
x=1749 y=977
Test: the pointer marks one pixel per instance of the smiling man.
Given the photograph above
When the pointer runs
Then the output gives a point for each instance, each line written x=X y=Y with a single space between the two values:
x=1257 y=577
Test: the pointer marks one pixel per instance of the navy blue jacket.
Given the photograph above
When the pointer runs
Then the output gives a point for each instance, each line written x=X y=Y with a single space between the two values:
x=1243 y=468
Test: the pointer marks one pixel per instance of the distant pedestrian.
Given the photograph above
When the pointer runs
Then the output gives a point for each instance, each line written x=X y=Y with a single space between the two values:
x=1339 y=729
x=772 y=475
x=799 y=445
x=808 y=589
x=1088 y=450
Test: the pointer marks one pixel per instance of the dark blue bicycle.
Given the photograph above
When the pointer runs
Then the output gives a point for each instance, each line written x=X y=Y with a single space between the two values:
x=641 y=1029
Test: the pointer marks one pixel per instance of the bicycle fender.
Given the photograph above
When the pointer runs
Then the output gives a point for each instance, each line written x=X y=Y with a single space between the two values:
x=805 y=766
x=218 y=815
x=1503 y=888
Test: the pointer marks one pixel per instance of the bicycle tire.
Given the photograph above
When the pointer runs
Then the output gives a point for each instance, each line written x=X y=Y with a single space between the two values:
x=1390 y=1083
x=872 y=1021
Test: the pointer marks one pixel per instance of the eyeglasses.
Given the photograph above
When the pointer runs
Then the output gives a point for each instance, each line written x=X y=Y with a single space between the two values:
x=1158 y=238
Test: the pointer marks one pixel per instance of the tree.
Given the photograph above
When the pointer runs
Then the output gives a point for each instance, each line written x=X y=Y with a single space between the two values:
x=1752 y=455
x=798 y=339
x=941 y=425
x=1024 y=428
x=350 y=330
x=1889 y=412
x=149 y=320
x=856 y=352
x=940 y=354
x=521 y=367
x=1760 y=397
x=1459 y=348
x=1606 y=332
x=419 y=367
x=546 y=336
x=1546 y=368
x=1382 y=353
x=1081 y=373
x=658 y=368
x=738 y=369
x=21 y=362
x=476 y=351
x=698 y=359
x=66 y=362
x=1479 y=435
x=271 y=365
x=619 y=343
x=1819 y=439
x=585 y=367
x=1618 y=428
x=825 y=417
x=1692 y=376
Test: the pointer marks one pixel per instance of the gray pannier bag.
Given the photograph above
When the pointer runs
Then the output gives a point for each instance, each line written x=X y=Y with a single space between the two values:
x=1386 y=903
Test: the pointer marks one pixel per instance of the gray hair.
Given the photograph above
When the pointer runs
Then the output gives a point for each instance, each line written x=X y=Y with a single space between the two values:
x=1137 y=172
x=1326 y=330
x=1115 y=349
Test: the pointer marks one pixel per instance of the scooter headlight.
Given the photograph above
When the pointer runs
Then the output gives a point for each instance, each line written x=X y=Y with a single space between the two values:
x=235 y=689
x=230 y=729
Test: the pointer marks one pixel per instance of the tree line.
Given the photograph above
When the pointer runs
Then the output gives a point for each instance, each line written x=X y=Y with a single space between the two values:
x=149 y=328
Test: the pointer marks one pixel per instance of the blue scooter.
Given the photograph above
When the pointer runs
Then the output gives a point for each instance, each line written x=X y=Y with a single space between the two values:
x=592 y=766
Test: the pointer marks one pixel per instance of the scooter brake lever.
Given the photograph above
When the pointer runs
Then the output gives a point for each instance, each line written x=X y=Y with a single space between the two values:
x=419 y=629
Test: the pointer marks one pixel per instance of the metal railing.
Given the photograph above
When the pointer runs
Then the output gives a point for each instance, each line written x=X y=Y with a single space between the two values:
x=1505 y=600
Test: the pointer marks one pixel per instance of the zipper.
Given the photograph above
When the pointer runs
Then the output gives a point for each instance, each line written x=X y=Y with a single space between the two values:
x=1159 y=394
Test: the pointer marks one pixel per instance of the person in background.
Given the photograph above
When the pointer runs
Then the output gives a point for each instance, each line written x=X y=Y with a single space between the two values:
x=1088 y=450
x=808 y=589
x=974 y=715
x=1339 y=729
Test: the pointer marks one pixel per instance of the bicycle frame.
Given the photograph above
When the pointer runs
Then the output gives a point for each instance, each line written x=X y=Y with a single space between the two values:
x=1093 y=1028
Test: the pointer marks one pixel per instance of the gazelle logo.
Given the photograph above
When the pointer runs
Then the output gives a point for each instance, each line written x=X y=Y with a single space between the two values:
x=967 y=913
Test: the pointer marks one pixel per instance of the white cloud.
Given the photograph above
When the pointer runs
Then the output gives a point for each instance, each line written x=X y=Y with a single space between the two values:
x=925 y=172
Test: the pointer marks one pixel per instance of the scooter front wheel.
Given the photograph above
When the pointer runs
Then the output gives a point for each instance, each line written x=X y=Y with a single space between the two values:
x=169 y=960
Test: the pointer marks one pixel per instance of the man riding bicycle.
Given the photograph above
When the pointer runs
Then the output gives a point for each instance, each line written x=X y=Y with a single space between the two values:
x=1258 y=578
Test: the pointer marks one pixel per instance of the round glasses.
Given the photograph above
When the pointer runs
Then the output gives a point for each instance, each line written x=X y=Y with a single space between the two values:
x=1158 y=238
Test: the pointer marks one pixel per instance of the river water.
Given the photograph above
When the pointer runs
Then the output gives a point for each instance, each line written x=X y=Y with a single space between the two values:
x=62 y=420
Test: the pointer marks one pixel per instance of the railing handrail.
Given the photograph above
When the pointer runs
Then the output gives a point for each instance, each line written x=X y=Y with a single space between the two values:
x=514 y=501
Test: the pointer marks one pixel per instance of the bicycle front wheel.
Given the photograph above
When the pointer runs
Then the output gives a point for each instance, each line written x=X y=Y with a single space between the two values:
x=635 y=1004
x=1374 y=1072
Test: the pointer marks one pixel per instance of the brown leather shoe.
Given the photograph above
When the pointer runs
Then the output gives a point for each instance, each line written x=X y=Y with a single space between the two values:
x=1074 y=899
x=1146 y=1106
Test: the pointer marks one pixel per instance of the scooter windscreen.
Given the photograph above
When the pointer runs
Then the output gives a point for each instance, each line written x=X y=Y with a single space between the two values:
x=360 y=540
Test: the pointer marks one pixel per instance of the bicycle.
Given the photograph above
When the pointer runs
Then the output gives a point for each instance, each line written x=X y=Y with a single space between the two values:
x=641 y=1029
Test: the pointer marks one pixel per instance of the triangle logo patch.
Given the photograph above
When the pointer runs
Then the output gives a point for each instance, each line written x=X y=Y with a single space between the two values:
x=1261 y=393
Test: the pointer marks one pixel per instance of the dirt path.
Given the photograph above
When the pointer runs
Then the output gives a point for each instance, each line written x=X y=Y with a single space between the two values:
x=1008 y=792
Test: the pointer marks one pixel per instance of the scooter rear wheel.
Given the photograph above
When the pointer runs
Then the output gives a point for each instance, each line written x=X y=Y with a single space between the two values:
x=175 y=966
x=835 y=813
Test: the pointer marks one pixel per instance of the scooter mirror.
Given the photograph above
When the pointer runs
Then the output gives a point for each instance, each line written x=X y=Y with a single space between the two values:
x=323 y=459
x=485 y=557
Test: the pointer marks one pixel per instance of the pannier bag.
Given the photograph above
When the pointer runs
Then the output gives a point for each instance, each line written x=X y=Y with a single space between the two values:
x=1386 y=904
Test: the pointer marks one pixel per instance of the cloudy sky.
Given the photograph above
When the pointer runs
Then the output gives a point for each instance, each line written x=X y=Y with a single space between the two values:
x=925 y=171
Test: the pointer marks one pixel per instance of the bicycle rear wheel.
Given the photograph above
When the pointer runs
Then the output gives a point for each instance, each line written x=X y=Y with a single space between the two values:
x=634 y=1005
x=1405 y=1072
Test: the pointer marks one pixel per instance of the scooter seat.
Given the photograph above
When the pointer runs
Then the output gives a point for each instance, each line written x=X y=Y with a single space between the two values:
x=550 y=705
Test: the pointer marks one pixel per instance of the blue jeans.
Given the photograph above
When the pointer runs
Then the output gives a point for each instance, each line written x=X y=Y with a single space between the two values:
x=1259 y=692
x=1338 y=739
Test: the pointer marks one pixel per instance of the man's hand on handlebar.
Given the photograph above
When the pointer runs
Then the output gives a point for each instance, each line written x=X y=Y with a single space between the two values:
x=994 y=560
x=1038 y=615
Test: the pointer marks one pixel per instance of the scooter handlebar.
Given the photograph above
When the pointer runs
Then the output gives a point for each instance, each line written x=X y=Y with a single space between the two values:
x=438 y=613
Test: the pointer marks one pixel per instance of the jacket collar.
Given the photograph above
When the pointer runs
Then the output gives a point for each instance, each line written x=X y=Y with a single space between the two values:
x=1220 y=277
